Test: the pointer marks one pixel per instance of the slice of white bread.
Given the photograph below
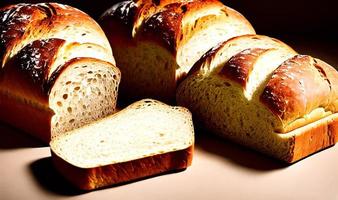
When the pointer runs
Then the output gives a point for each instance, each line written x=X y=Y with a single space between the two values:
x=144 y=139
x=156 y=43
x=265 y=98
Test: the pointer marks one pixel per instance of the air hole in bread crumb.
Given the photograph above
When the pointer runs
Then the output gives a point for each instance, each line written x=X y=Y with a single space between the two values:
x=72 y=121
x=227 y=84
x=59 y=103
x=184 y=8
x=161 y=134
x=114 y=77
x=102 y=141
x=77 y=88
x=69 y=109
x=68 y=82
x=90 y=72
x=98 y=75
x=65 y=96
x=84 y=66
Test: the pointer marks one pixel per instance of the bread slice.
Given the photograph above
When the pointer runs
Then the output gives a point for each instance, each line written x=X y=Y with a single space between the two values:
x=155 y=45
x=144 y=139
x=265 y=98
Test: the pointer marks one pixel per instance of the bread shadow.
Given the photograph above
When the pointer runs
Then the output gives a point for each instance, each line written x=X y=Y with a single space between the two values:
x=49 y=178
x=236 y=153
x=12 y=138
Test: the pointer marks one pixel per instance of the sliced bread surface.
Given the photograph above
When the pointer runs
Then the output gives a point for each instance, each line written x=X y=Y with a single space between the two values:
x=145 y=139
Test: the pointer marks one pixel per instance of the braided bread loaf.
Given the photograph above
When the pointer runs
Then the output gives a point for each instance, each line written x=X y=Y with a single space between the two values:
x=155 y=43
x=257 y=91
x=57 y=70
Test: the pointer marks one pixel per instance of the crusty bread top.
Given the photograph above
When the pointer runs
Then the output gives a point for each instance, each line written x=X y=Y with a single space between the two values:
x=22 y=24
x=300 y=85
x=239 y=67
x=169 y=22
x=214 y=60
x=143 y=129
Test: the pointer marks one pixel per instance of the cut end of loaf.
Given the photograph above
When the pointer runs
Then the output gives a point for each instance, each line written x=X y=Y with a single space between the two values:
x=85 y=91
x=145 y=139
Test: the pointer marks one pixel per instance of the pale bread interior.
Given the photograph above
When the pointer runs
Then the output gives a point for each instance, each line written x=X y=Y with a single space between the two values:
x=143 y=129
x=148 y=71
x=84 y=92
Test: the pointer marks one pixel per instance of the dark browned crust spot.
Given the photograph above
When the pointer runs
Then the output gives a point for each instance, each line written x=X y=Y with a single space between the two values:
x=322 y=73
x=239 y=67
x=13 y=22
x=123 y=13
x=34 y=61
x=165 y=26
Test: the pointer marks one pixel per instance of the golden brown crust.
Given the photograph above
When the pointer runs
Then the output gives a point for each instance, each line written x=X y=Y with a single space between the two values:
x=204 y=63
x=14 y=22
x=317 y=138
x=28 y=22
x=158 y=21
x=103 y=176
x=27 y=116
x=27 y=73
x=122 y=15
x=297 y=87
x=239 y=67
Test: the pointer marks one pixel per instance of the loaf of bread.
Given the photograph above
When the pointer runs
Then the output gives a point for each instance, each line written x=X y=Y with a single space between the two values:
x=258 y=92
x=57 y=69
x=145 y=139
x=155 y=43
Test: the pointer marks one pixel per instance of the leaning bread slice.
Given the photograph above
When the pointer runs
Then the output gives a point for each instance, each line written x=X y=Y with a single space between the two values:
x=144 y=139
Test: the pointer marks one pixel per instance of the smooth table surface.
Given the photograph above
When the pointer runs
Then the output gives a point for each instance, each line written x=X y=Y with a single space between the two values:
x=220 y=170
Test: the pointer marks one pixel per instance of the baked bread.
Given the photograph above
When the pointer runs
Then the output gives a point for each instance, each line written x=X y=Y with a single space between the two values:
x=57 y=70
x=145 y=139
x=94 y=9
x=155 y=43
x=256 y=91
